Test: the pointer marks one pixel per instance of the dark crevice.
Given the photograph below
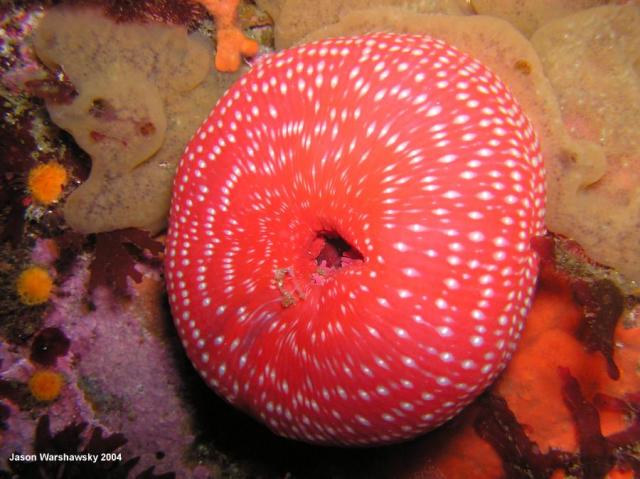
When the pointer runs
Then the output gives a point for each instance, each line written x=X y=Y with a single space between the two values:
x=335 y=250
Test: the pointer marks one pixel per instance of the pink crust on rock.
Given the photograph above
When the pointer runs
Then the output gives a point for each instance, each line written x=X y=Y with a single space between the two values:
x=412 y=162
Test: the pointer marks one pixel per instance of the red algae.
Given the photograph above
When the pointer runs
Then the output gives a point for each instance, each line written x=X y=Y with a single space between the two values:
x=48 y=345
x=598 y=454
x=603 y=305
x=539 y=422
x=176 y=12
x=56 y=90
x=521 y=457
x=115 y=260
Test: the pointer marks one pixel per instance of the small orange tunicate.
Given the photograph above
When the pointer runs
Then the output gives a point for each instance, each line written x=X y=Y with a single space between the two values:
x=46 y=182
x=45 y=385
x=34 y=285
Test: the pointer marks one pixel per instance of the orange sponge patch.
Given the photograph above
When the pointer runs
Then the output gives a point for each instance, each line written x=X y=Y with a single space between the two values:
x=232 y=43
x=34 y=285
x=45 y=385
x=533 y=391
x=46 y=182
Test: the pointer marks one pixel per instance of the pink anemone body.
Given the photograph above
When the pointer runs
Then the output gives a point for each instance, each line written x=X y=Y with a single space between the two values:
x=349 y=257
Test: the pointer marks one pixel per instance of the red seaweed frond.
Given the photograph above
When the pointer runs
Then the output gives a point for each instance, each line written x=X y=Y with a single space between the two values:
x=70 y=440
x=177 y=12
x=521 y=457
x=595 y=457
x=597 y=454
x=603 y=304
x=545 y=246
x=623 y=441
x=115 y=258
x=70 y=244
x=52 y=90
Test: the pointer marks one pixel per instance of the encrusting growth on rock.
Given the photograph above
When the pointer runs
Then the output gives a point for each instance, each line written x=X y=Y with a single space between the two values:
x=45 y=385
x=46 y=182
x=132 y=124
x=34 y=285
x=231 y=41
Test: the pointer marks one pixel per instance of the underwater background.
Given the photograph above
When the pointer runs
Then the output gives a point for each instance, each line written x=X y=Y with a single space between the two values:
x=100 y=98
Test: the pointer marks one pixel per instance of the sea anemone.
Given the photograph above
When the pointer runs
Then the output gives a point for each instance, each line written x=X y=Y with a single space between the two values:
x=403 y=171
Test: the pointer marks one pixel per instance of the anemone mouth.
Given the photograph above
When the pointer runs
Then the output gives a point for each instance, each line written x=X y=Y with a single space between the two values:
x=335 y=251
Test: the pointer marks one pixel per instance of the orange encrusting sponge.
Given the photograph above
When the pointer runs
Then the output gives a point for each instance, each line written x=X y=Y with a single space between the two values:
x=46 y=181
x=531 y=384
x=34 y=286
x=45 y=385
x=232 y=43
x=532 y=388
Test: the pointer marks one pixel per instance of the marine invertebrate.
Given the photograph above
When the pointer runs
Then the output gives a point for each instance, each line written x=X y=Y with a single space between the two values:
x=132 y=114
x=232 y=42
x=46 y=181
x=528 y=15
x=34 y=285
x=599 y=109
x=514 y=414
x=570 y=134
x=412 y=169
x=46 y=384
x=295 y=19
x=36 y=159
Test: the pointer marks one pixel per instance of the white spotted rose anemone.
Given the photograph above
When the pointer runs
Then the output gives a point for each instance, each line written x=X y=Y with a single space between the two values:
x=349 y=254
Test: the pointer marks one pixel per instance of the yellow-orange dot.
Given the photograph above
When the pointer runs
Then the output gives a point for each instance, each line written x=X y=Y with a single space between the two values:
x=45 y=385
x=34 y=285
x=47 y=181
